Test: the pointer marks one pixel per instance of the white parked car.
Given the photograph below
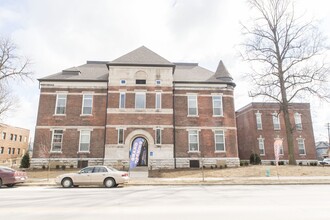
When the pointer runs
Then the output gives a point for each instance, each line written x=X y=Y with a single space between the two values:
x=93 y=175
x=326 y=161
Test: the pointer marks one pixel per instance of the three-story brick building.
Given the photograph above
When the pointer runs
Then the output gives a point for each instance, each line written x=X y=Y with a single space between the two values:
x=181 y=114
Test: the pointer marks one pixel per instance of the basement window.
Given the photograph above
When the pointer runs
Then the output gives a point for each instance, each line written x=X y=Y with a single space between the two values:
x=140 y=81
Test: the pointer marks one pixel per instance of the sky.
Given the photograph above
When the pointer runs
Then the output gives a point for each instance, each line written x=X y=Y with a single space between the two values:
x=60 y=34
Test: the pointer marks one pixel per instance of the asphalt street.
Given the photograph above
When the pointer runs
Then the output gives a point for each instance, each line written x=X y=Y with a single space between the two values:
x=303 y=202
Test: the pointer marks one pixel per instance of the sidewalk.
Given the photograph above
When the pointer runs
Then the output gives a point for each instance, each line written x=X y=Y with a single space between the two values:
x=274 y=180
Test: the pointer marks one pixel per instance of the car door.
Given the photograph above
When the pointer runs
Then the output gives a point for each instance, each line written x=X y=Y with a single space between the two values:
x=98 y=175
x=83 y=177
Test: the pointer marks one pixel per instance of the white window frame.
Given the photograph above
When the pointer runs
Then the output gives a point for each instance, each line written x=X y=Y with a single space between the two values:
x=122 y=100
x=258 y=120
x=160 y=136
x=83 y=104
x=53 y=136
x=58 y=97
x=192 y=97
x=158 y=101
x=297 y=121
x=144 y=96
x=261 y=145
x=221 y=105
x=193 y=133
x=120 y=132
x=219 y=133
x=302 y=143
x=85 y=133
x=276 y=121
x=282 y=150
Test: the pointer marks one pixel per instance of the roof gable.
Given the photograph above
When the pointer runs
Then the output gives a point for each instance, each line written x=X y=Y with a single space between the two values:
x=141 y=56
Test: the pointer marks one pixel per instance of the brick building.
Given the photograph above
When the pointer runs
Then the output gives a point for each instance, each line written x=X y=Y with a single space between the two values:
x=258 y=124
x=96 y=112
x=14 y=142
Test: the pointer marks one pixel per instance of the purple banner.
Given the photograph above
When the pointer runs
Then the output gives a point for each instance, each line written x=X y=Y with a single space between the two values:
x=135 y=152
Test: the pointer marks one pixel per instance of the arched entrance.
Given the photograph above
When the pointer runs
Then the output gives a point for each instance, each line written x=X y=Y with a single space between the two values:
x=139 y=152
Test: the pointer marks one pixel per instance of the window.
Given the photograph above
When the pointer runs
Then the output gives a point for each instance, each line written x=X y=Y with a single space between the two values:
x=217 y=105
x=87 y=104
x=122 y=82
x=301 y=146
x=219 y=137
x=13 y=151
x=140 y=81
x=158 y=100
x=158 y=82
x=20 y=138
x=60 y=104
x=193 y=140
x=15 y=137
x=2 y=149
x=57 y=140
x=281 y=150
x=192 y=105
x=297 y=121
x=140 y=100
x=259 y=121
x=87 y=170
x=100 y=170
x=276 y=121
x=158 y=136
x=11 y=137
x=84 y=142
x=3 y=135
x=18 y=151
x=120 y=136
x=122 y=100
x=9 y=150
x=261 y=145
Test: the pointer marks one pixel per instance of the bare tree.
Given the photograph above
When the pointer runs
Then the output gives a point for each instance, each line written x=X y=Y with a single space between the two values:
x=288 y=58
x=12 y=66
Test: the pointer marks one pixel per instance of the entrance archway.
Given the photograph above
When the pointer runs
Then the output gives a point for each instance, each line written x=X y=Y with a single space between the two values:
x=139 y=152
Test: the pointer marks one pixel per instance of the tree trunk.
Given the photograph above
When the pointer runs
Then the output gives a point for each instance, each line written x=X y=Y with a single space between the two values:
x=289 y=134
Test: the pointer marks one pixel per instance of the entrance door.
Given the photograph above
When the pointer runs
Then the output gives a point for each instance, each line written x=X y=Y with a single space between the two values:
x=139 y=152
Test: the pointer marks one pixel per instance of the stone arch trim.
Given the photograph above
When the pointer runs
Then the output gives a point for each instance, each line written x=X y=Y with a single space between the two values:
x=139 y=133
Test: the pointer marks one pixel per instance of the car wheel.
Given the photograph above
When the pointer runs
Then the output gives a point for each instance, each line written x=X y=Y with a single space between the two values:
x=10 y=185
x=0 y=183
x=109 y=182
x=67 y=183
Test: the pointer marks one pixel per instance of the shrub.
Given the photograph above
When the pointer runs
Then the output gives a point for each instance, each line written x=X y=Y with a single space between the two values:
x=43 y=167
x=71 y=166
x=63 y=167
x=280 y=162
x=272 y=163
x=300 y=163
x=25 y=162
x=246 y=163
x=255 y=159
x=241 y=163
x=57 y=167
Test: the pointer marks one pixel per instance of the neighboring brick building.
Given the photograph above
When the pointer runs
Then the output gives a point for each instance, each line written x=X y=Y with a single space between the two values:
x=94 y=113
x=258 y=124
x=14 y=142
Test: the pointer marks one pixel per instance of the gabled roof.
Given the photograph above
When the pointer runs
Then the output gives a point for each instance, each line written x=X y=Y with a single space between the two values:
x=141 y=56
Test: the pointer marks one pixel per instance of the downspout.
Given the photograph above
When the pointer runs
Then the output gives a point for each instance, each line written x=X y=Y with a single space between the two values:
x=173 y=104
x=106 y=121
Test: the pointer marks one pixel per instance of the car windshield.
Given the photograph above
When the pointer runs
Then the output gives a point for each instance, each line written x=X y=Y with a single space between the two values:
x=6 y=169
